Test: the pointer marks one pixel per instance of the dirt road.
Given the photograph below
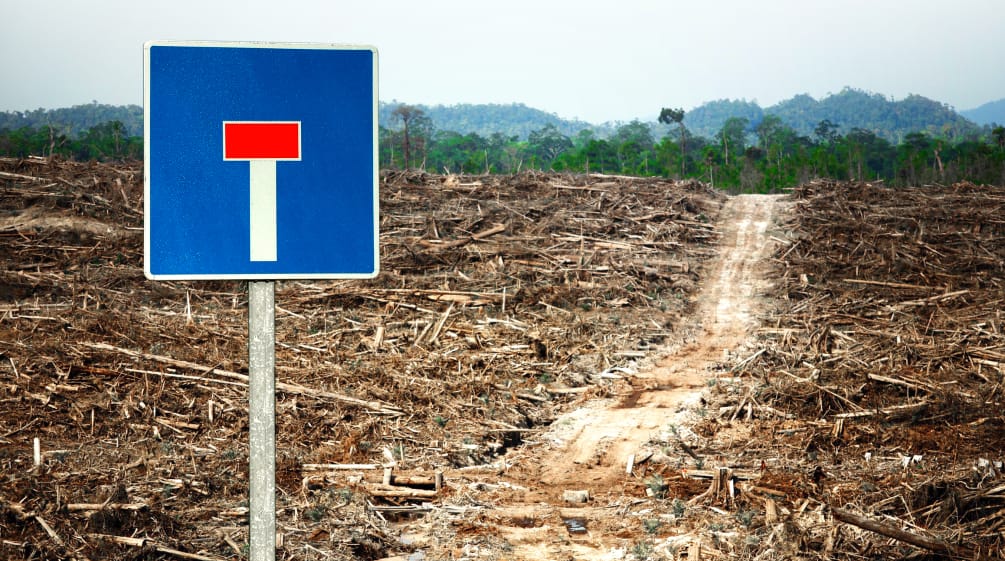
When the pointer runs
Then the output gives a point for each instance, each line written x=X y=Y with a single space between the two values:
x=589 y=448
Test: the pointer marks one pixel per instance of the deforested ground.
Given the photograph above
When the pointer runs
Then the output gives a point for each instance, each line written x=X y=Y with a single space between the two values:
x=549 y=366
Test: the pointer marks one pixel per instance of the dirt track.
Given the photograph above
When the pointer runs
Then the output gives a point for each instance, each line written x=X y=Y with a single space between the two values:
x=588 y=449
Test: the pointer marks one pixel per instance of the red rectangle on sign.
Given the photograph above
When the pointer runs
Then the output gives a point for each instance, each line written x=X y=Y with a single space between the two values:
x=261 y=140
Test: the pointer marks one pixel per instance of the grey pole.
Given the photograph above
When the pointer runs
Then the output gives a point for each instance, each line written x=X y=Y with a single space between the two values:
x=262 y=420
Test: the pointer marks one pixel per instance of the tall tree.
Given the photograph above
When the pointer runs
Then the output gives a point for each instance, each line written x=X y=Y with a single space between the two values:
x=826 y=131
x=733 y=134
x=548 y=142
x=768 y=130
x=634 y=144
x=407 y=114
x=999 y=134
x=669 y=115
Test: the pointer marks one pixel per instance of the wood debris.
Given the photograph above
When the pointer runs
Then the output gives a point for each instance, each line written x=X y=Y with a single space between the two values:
x=887 y=353
x=502 y=301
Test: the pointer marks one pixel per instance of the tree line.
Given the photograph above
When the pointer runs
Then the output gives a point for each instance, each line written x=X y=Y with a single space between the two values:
x=108 y=141
x=742 y=156
x=746 y=156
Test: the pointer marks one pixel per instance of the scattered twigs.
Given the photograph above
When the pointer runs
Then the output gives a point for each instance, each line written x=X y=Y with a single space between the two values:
x=747 y=361
x=143 y=542
x=493 y=311
x=374 y=406
x=440 y=245
x=890 y=338
x=48 y=530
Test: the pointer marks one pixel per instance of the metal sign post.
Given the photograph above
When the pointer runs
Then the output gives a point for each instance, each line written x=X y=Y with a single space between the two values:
x=206 y=218
x=262 y=416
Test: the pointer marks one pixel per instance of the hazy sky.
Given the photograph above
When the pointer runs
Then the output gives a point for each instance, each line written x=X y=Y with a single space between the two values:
x=597 y=60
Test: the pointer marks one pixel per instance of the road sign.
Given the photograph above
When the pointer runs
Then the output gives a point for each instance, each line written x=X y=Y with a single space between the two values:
x=303 y=120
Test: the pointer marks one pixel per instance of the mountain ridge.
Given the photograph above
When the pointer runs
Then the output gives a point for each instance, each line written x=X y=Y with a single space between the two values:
x=848 y=109
x=990 y=113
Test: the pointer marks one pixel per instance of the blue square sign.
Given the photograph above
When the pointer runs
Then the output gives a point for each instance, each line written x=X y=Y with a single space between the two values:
x=260 y=161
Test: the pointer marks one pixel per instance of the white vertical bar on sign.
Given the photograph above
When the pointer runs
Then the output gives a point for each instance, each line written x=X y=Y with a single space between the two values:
x=262 y=420
x=263 y=210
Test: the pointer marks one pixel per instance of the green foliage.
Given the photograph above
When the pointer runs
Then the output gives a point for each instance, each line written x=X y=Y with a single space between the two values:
x=546 y=144
x=316 y=513
x=679 y=507
x=416 y=130
x=107 y=141
x=657 y=485
x=77 y=120
x=641 y=550
x=734 y=145
x=765 y=156
x=669 y=115
x=746 y=517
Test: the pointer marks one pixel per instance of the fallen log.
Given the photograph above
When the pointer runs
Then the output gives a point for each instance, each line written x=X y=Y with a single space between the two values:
x=891 y=531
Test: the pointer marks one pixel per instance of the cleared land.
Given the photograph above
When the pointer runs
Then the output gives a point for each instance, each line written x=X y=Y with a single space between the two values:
x=816 y=376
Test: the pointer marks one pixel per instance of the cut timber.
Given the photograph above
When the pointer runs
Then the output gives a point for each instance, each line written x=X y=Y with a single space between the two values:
x=838 y=430
x=900 y=382
x=713 y=473
x=891 y=531
x=770 y=511
x=417 y=480
x=400 y=492
x=893 y=284
x=78 y=507
x=893 y=412
x=722 y=484
x=340 y=467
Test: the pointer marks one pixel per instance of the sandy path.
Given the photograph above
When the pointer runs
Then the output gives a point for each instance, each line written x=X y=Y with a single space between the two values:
x=726 y=305
x=588 y=448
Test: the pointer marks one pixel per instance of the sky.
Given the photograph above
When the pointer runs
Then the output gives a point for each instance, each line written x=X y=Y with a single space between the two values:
x=595 y=60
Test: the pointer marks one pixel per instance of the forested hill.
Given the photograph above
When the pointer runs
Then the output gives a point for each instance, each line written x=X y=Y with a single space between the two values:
x=76 y=120
x=514 y=119
x=848 y=109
